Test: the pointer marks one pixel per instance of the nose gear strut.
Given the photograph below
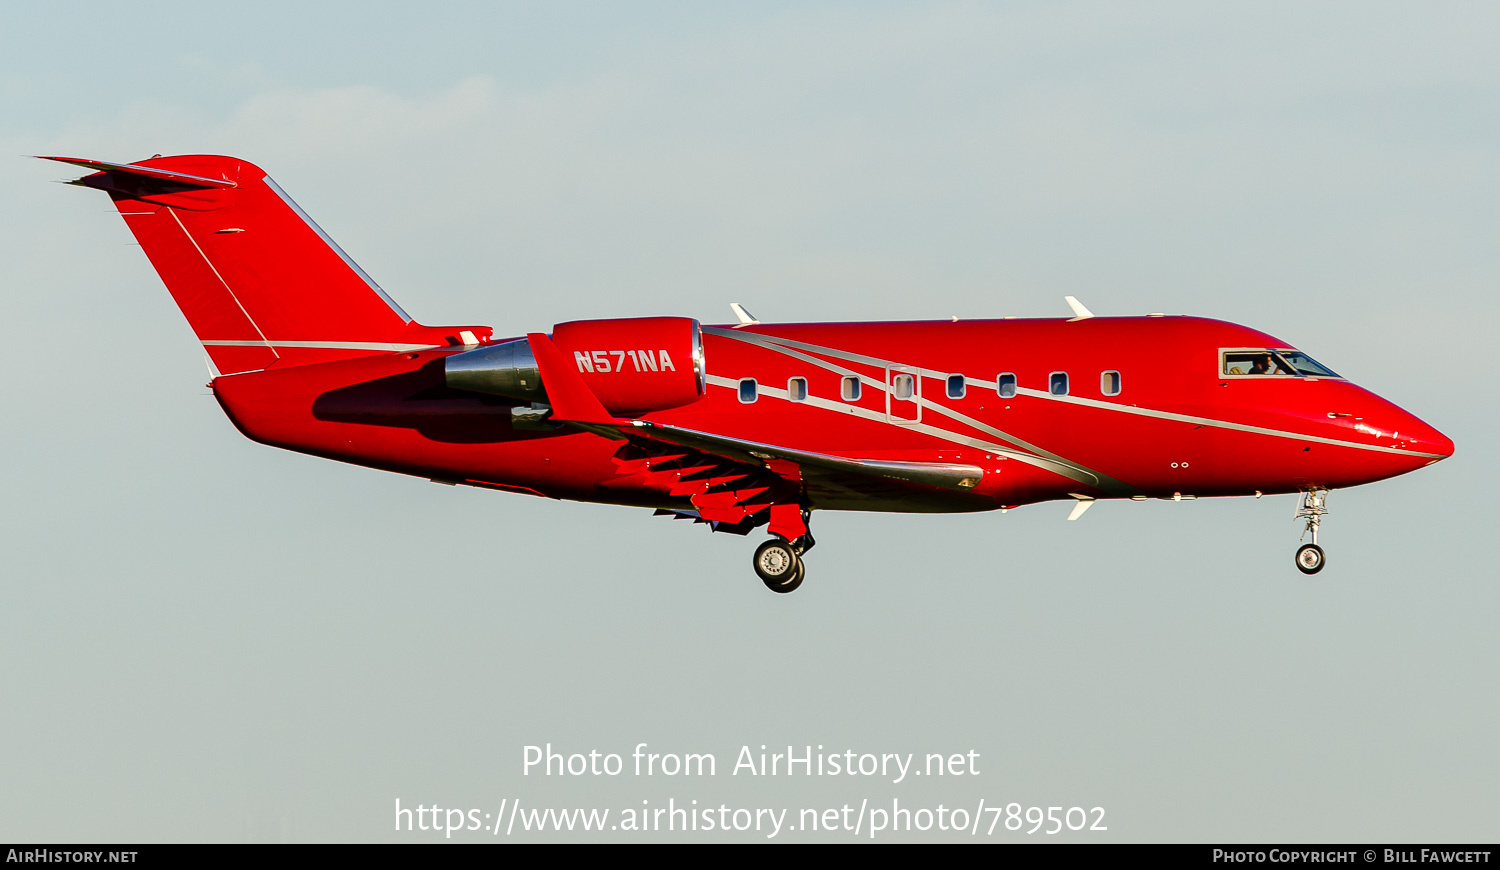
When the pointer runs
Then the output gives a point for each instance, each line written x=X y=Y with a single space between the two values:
x=1312 y=508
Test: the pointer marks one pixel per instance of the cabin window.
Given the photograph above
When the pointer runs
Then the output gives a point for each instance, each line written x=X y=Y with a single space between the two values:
x=903 y=386
x=1006 y=384
x=956 y=386
x=796 y=389
x=1057 y=383
x=748 y=391
x=849 y=389
x=1109 y=383
x=1265 y=361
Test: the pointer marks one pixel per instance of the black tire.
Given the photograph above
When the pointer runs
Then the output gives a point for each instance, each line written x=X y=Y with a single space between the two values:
x=1310 y=559
x=792 y=584
x=777 y=565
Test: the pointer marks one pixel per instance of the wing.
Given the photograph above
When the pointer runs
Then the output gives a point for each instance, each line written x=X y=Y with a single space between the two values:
x=822 y=476
x=707 y=467
x=733 y=480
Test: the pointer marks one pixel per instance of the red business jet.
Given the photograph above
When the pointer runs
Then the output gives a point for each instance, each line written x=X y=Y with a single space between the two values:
x=747 y=425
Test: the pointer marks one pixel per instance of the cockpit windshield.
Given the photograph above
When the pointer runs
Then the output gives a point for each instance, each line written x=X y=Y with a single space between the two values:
x=1271 y=362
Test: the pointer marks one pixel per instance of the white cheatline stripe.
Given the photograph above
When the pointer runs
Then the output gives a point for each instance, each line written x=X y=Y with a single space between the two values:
x=1221 y=424
x=1045 y=458
x=1068 y=470
x=330 y=345
x=771 y=341
x=752 y=338
x=775 y=340
x=227 y=288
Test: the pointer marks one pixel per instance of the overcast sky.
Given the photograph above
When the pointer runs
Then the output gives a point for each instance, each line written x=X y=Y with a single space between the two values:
x=206 y=639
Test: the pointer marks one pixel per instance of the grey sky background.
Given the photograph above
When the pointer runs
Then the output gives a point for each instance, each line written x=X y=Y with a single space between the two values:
x=206 y=639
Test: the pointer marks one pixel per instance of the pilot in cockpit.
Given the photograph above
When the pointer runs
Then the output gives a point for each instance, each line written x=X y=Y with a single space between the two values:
x=1264 y=365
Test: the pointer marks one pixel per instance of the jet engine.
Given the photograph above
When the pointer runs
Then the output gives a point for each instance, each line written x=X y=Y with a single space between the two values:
x=633 y=365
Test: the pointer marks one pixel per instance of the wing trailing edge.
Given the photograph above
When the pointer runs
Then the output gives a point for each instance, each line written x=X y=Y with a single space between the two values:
x=945 y=475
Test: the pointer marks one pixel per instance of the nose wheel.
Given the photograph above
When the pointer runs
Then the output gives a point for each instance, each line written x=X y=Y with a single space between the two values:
x=1310 y=558
x=1312 y=508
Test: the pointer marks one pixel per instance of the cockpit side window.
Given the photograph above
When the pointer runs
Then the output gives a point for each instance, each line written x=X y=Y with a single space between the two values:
x=1306 y=365
x=1270 y=362
x=1254 y=362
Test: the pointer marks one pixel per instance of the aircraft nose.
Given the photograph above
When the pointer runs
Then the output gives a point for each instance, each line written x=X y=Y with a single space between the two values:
x=1403 y=441
x=1421 y=437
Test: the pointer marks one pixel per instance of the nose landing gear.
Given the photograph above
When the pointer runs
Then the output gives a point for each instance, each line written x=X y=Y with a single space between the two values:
x=1312 y=508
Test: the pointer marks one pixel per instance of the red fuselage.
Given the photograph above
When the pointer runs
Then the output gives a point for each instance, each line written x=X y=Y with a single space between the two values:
x=746 y=426
x=1176 y=424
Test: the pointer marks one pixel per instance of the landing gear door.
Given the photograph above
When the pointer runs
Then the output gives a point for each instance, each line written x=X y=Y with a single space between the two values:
x=903 y=394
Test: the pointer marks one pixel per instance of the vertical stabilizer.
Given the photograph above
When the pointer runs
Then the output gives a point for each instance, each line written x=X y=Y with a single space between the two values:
x=259 y=282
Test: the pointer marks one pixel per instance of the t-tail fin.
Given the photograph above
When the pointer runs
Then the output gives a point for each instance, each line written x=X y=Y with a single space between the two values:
x=260 y=283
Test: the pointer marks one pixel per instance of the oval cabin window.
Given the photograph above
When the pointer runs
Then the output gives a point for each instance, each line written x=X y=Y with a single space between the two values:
x=1006 y=384
x=956 y=386
x=903 y=386
x=1057 y=383
x=796 y=389
x=849 y=389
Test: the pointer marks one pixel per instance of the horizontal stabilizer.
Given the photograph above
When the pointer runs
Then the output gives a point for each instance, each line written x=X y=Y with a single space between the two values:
x=180 y=178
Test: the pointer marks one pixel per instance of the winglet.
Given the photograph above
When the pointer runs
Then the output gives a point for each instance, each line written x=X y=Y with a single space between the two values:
x=571 y=398
x=745 y=317
x=1079 y=312
x=1084 y=503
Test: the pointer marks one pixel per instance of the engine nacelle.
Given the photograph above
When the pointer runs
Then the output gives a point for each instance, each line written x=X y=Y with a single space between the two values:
x=505 y=369
x=633 y=365
x=639 y=364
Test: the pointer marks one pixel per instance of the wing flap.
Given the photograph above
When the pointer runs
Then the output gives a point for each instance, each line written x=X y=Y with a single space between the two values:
x=943 y=475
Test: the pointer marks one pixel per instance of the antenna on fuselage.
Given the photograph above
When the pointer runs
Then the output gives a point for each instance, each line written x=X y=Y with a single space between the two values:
x=745 y=317
x=1079 y=311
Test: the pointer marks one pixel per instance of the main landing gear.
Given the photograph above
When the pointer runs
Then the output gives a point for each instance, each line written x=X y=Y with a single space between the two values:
x=778 y=562
x=779 y=566
x=1313 y=508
